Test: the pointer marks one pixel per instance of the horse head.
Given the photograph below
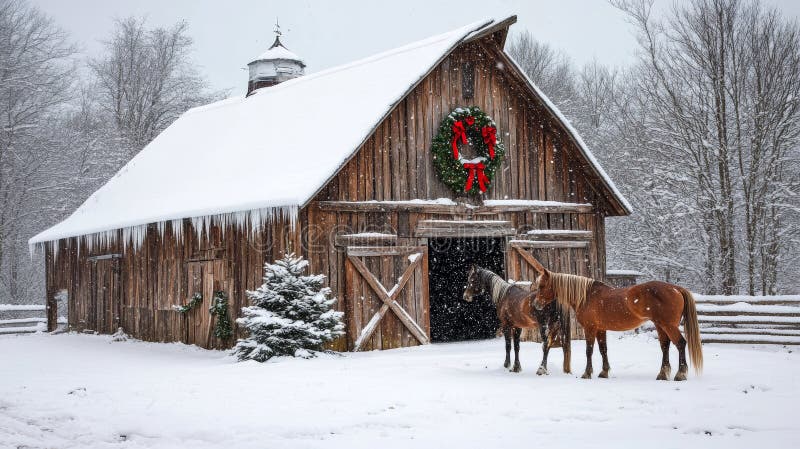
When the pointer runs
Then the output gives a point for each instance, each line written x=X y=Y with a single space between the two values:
x=545 y=294
x=472 y=284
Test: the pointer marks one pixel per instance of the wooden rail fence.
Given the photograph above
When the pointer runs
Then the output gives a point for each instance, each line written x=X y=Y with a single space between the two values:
x=749 y=319
x=20 y=319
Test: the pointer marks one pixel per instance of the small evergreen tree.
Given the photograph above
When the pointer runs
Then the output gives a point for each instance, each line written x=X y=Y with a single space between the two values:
x=290 y=314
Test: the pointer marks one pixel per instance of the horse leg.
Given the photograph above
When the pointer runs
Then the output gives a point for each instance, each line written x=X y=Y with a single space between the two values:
x=507 y=336
x=679 y=342
x=663 y=340
x=601 y=342
x=517 y=332
x=545 y=350
x=566 y=345
x=590 y=337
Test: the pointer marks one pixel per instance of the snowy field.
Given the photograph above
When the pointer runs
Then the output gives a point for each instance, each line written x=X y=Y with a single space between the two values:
x=86 y=391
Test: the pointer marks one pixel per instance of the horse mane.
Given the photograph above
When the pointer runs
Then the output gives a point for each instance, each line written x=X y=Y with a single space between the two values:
x=570 y=290
x=497 y=285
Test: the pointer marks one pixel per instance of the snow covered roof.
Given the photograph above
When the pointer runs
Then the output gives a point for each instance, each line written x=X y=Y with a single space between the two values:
x=245 y=157
x=275 y=148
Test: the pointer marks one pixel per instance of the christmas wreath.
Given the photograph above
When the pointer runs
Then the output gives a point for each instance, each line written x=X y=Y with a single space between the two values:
x=462 y=126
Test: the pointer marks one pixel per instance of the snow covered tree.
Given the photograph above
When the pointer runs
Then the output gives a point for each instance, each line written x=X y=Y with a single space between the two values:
x=37 y=76
x=291 y=314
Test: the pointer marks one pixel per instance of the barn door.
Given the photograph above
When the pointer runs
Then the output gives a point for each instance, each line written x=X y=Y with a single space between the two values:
x=561 y=256
x=205 y=277
x=104 y=295
x=387 y=297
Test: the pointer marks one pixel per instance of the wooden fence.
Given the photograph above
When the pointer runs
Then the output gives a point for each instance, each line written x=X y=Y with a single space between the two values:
x=749 y=319
x=19 y=319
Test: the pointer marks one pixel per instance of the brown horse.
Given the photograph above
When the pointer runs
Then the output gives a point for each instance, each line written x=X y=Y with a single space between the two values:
x=516 y=312
x=599 y=307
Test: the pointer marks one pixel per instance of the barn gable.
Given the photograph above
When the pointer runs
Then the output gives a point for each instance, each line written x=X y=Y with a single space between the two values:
x=542 y=150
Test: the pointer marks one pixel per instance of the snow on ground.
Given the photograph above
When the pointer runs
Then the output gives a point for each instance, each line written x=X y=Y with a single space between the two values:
x=74 y=390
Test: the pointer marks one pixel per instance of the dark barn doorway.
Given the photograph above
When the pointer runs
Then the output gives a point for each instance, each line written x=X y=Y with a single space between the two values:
x=449 y=259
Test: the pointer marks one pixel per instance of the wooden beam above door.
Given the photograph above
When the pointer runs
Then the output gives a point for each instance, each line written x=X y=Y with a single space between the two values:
x=464 y=228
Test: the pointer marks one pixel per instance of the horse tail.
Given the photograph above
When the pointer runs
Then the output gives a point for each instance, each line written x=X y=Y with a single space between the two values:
x=692 y=330
x=566 y=335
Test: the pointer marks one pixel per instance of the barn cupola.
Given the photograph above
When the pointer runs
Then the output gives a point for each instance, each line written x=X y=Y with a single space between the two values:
x=274 y=66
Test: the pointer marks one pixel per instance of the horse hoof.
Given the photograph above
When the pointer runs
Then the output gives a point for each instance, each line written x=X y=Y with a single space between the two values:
x=542 y=370
x=680 y=376
x=661 y=376
x=516 y=369
x=506 y=365
x=603 y=374
x=586 y=376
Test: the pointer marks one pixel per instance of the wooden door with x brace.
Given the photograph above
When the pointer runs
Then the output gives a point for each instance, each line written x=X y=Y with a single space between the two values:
x=386 y=297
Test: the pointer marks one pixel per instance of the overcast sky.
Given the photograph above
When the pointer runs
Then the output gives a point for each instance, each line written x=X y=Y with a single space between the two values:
x=230 y=34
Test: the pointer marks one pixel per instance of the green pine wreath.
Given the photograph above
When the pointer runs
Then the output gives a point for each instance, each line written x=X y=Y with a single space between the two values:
x=473 y=176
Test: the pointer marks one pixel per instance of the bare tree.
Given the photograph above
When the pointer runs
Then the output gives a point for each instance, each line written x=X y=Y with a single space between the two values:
x=145 y=80
x=768 y=115
x=701 y=134
x=549 y=68
x=721 y=79
x=60 y=138
x=36 y=77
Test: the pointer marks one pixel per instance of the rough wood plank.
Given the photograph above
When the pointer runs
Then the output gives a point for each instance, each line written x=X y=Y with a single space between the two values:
x=381 y=251
x=550 y=244
x=549 y=234
x=344 y=240
x=458 y=209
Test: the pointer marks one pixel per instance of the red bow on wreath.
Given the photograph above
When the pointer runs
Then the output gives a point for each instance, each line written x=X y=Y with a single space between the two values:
x=476 y=170
x=458 y=131
x=490 y=138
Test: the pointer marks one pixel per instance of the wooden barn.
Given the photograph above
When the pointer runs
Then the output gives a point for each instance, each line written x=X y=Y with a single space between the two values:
x=338 y=167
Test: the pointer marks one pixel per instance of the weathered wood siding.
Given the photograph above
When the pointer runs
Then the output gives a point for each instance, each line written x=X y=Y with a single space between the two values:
x=138 y=290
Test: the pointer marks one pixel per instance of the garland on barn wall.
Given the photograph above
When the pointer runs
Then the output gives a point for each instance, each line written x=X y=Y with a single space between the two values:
x=196 y=300
x=219 y=308
x=462 y=126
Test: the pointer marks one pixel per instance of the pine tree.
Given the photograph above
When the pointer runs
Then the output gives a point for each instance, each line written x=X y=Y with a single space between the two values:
x=291 y=314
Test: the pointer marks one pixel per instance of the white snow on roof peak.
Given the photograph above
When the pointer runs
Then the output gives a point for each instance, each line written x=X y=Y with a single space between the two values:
x=278 y=52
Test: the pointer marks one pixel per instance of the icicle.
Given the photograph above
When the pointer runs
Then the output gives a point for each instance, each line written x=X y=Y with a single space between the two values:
x=177 y=229
x=248 y=222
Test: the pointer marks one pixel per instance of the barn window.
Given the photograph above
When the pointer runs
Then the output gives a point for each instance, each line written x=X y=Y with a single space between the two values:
x=468 y=80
